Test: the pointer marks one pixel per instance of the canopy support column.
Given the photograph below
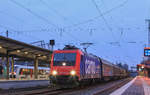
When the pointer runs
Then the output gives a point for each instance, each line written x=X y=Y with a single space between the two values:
x=7 y=65
x=36 y=68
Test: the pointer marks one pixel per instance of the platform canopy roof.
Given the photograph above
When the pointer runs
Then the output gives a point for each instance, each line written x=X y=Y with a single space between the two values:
x=23 y=50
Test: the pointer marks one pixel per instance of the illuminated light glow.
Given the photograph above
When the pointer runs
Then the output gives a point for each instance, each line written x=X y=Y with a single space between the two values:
x=73 y=72
x=44 y=56
x=0 y=47
x=25 y=52
x=39 y=54
x=64 y=64
x=12 y=73
x=142 y=67
x=147 y=52
x=54 y=73
x=15 y=73
x=18 y=51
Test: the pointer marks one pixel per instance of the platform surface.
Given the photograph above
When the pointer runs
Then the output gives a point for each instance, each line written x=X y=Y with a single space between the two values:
x=138 y=86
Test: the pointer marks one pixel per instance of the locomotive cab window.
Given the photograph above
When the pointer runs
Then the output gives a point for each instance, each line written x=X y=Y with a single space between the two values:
x=64 y=59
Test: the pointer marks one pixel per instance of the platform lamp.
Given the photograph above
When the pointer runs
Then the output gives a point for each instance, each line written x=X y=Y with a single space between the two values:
x=52 y=43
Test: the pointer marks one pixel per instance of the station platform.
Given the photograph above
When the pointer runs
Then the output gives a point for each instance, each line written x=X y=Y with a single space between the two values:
x=17 y=84
x=138 y=86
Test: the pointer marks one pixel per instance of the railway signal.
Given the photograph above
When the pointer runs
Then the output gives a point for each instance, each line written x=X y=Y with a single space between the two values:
x=52 y=43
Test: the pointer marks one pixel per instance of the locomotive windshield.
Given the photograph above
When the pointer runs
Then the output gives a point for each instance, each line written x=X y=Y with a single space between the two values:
x=68 y=58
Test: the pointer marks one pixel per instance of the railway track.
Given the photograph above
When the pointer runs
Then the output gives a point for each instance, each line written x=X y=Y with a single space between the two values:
x=98 y=89
x=113 y=87
x=45 y=92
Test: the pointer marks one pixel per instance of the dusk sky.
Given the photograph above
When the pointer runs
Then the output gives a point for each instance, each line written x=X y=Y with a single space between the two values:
x=116 y=27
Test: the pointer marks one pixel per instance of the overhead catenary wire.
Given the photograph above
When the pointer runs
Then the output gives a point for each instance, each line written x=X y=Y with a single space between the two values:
x=101 y=14
x=84 y=22
x=103 y=2
x=76 y=38
x=17 y=32
x=60 y=15
x=38 y=16
x=63 y=17
x=96 y=17
x=30 y=11
x=54 y=10
x=33 y=13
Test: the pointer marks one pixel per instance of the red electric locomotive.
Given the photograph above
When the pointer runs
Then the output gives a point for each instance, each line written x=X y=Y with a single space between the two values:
x=71 y=67
x=65 y=67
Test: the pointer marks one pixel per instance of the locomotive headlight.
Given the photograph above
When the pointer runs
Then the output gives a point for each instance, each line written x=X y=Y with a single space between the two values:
x=54 y=73
x=64 y=64
x=73 y=72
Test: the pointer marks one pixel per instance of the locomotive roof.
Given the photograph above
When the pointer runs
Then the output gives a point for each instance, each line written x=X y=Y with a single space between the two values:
x=89 y=54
